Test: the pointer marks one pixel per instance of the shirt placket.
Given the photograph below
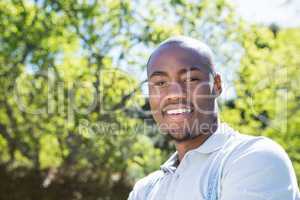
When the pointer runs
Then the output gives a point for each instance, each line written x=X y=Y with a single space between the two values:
x=176 y=177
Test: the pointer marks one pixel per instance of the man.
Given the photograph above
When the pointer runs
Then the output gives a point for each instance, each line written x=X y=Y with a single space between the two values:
x=212 y=160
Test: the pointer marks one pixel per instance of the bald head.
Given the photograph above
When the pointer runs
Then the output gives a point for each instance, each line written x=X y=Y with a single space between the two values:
x=181 y=75
x=200 y=54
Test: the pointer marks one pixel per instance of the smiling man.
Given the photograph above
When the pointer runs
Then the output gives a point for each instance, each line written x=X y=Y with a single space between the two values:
x=212 y=161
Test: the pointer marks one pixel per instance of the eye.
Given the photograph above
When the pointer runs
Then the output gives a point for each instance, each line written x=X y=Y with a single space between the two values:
x=191 y=80
x=194 y=79
x=160 y=83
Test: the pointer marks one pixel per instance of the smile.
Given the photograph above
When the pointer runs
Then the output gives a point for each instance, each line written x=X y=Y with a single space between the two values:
x=178 y=111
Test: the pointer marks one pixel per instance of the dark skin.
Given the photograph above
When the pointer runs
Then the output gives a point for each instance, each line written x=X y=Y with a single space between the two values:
x=182 y=93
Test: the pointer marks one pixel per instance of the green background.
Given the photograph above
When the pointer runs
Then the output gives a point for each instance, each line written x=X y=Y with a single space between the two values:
x=74 y=119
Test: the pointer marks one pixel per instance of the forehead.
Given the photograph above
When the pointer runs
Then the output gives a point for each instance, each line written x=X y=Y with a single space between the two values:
x=175 y=57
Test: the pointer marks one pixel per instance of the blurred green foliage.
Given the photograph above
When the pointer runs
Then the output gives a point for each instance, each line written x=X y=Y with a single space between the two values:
x=74 y=125
x=268 y=97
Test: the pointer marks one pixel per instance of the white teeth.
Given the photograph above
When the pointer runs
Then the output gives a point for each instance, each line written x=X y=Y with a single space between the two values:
x=178 y=111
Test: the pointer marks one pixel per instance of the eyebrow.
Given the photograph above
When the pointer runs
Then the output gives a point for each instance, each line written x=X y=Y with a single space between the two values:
x=193 y=68
x=189 y=70
x=158 y=73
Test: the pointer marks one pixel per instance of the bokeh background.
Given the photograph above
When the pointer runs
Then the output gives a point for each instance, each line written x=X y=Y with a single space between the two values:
x=74 y=113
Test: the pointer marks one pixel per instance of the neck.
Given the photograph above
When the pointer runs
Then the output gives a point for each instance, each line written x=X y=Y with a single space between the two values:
x=187 y=145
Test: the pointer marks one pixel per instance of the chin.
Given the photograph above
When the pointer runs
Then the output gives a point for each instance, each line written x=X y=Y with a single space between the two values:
x=180 y=135
x=182 y=138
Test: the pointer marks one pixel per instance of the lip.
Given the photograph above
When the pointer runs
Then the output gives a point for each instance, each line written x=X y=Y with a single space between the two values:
x=177 y=106
x=178 y=116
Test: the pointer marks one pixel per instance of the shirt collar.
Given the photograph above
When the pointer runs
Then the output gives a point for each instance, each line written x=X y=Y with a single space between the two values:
x=217 y=140
x=171 y=164
x=212 y=144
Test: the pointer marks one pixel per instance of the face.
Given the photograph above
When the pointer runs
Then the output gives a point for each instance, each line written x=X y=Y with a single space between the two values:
x=181 y=92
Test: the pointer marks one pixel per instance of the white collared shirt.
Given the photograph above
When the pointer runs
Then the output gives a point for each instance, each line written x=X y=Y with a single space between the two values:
x=257 y=169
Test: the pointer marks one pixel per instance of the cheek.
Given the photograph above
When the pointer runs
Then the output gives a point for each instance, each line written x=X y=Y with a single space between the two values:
x=155 y=100
x=199 y=92
x=154 y=103
x=201 y=97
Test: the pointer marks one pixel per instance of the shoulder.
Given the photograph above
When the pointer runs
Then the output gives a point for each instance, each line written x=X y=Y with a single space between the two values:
x=259 y=153
x=147 y=180
x=259 y=150
x=260 y=166
x=142 y=186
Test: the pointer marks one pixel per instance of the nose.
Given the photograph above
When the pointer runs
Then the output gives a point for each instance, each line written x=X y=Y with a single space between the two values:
x=176 y=91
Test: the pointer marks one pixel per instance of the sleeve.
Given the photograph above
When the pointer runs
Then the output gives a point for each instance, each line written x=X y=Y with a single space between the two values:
x=133 y=195
x=261 y=170
x=138 y=191
x=143 y=186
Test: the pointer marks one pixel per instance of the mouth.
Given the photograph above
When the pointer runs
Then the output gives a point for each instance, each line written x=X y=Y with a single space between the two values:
x=178 y=112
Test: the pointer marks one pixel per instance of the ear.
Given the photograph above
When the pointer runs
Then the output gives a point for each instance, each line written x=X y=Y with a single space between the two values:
x=217 y=85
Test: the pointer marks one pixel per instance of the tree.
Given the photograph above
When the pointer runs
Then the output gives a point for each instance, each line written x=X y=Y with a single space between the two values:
x=69 y=116
x=267 y=95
